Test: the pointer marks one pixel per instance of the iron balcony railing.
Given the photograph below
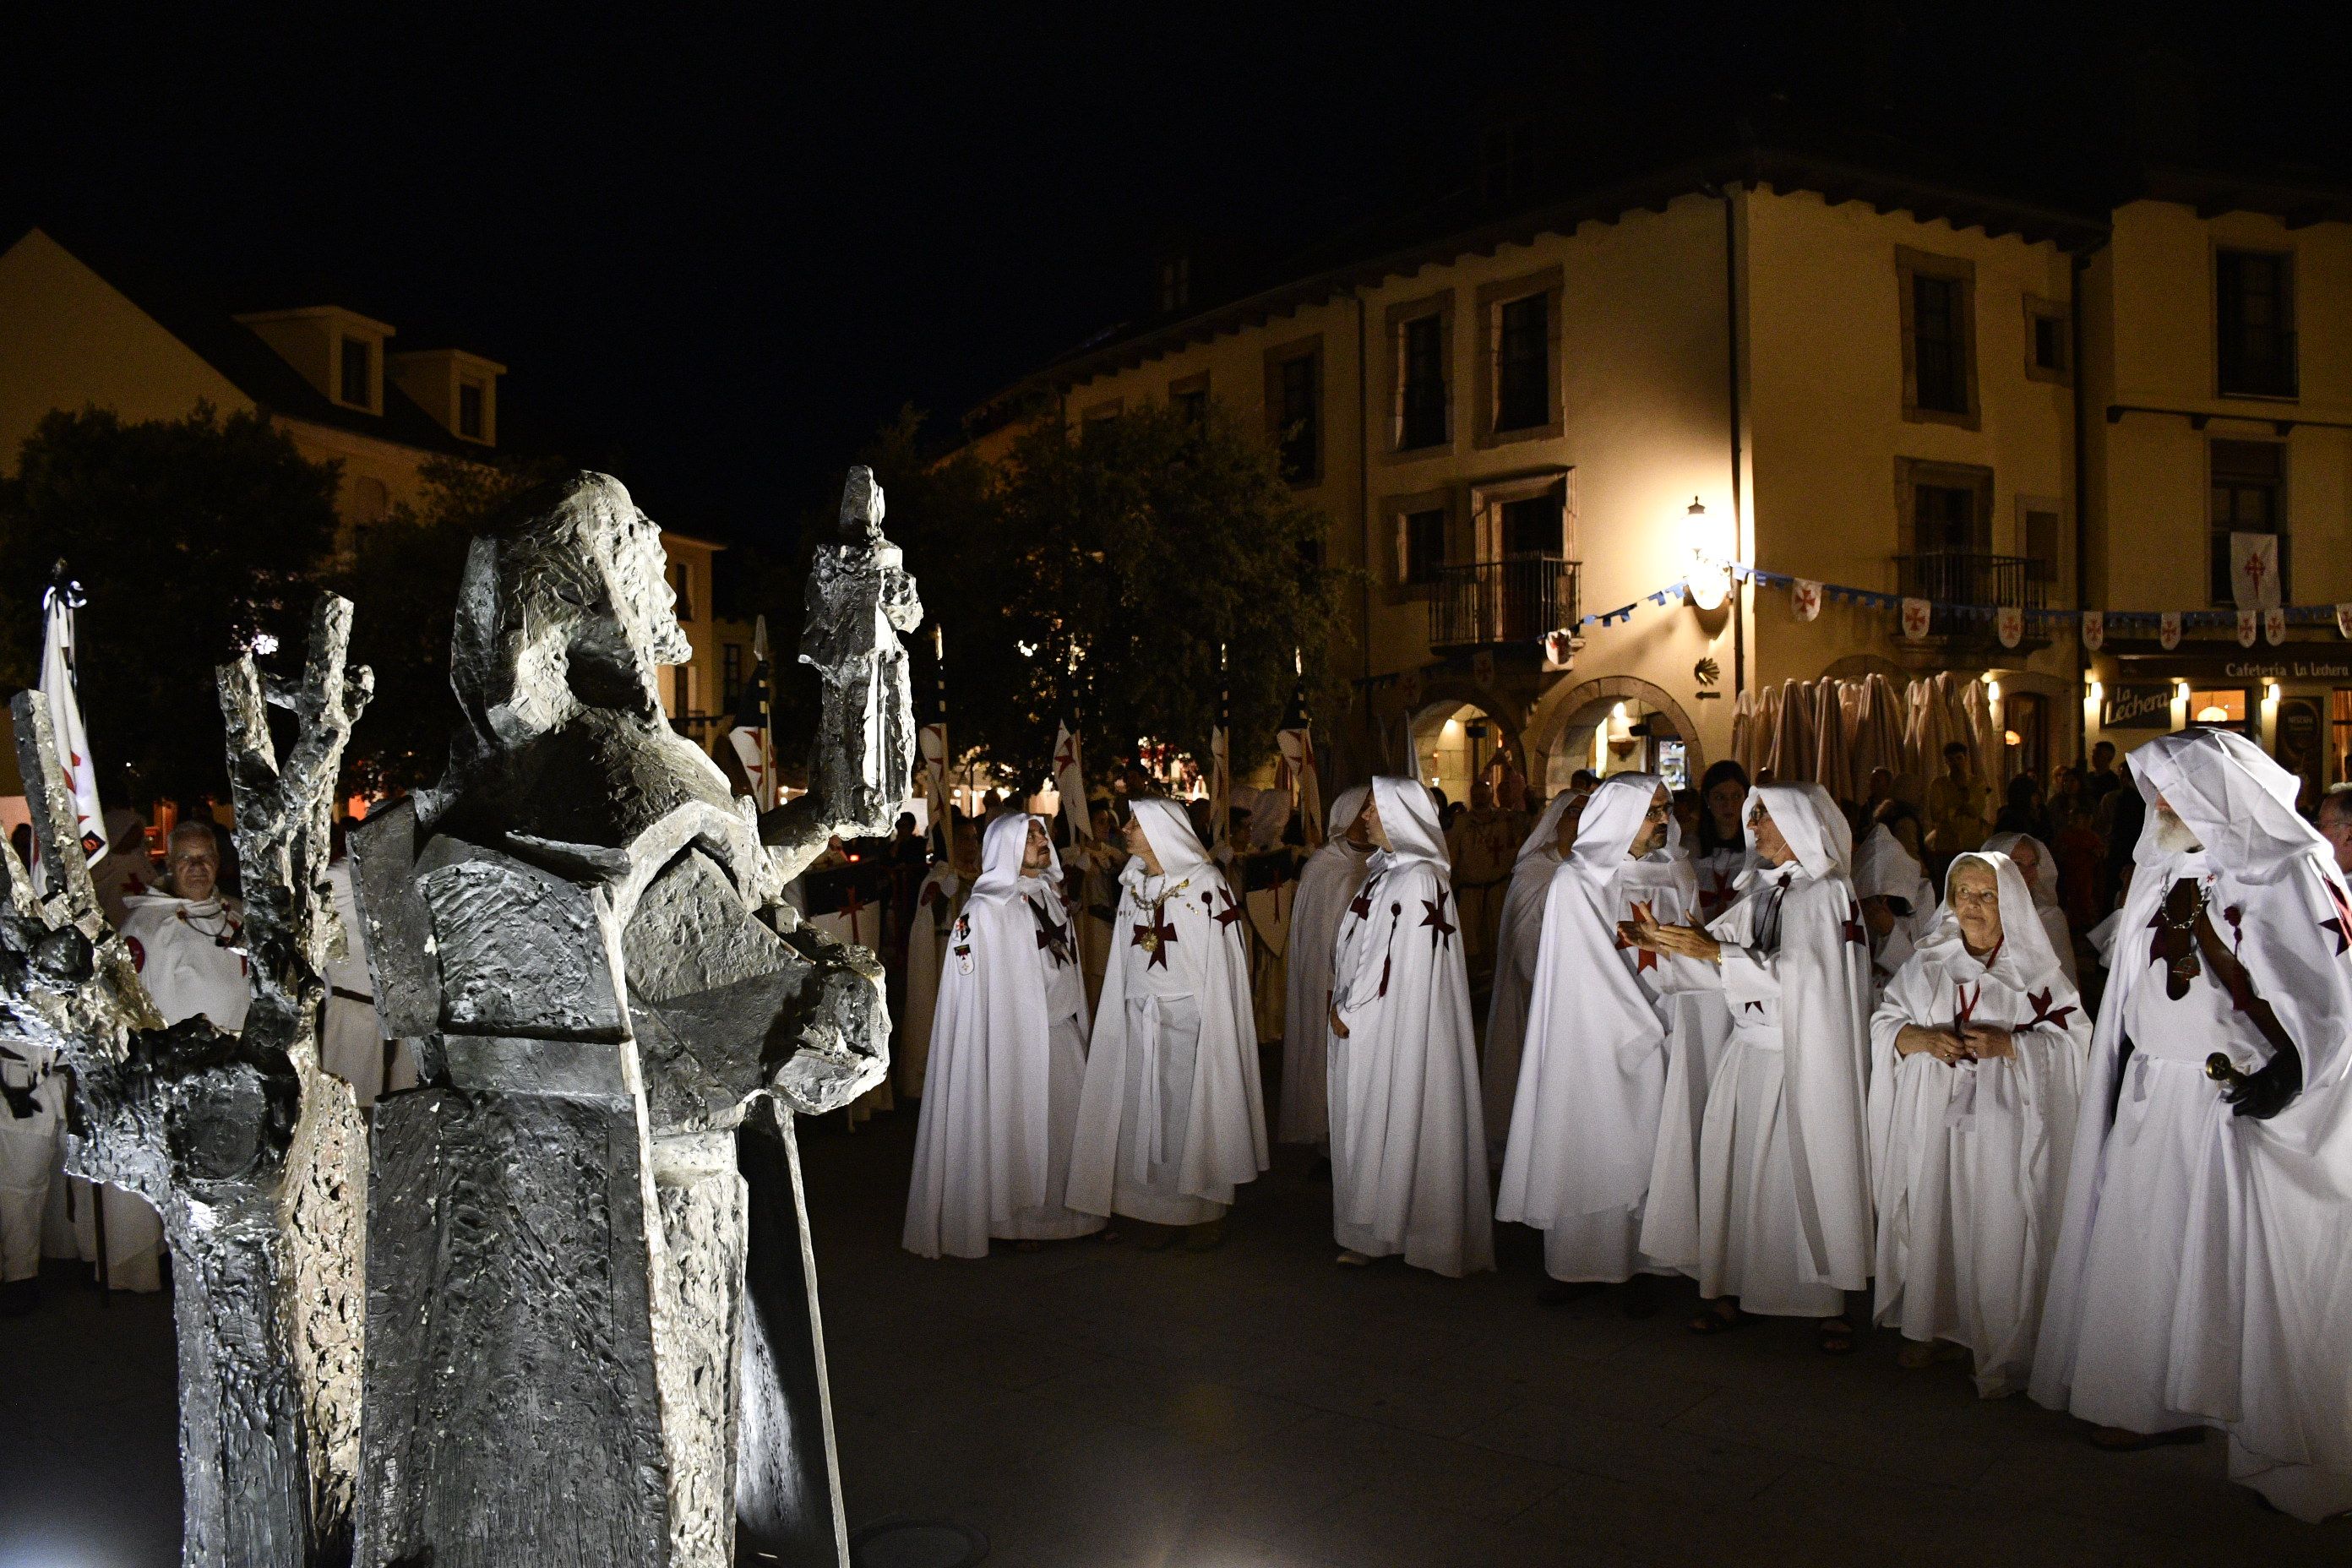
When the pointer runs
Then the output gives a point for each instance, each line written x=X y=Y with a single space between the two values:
x=1517 y=599
x=1961 y=577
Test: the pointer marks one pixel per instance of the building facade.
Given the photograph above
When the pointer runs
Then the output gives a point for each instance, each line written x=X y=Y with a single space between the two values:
x=1823 y=372
x=330 y=377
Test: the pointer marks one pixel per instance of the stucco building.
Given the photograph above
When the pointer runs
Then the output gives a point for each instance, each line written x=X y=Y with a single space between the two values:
x=1544 y=404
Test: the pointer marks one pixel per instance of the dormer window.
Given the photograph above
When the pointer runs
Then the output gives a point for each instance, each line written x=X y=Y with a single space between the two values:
x=469 y=410
x=357 y=382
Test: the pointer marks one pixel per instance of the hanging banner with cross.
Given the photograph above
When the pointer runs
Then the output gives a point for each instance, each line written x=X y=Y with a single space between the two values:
x=2094 y=629
x=1805 y=599
x=2010 y=621
x=2274 y=625
x=2168 y=630
x=2248 y=622
x=1915 y=617
x=2253 y=570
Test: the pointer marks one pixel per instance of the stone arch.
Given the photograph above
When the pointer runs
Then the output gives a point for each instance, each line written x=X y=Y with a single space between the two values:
x=1567 y=709
x=1449 y=692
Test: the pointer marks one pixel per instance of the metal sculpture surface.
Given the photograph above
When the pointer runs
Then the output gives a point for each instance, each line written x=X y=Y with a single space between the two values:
x=556 y=1306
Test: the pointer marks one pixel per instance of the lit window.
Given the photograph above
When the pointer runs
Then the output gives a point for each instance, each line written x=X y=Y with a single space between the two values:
x=2224 y=706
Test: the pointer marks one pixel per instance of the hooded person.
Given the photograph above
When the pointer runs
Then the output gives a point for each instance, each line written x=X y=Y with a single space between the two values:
x=2203 y=1276
x=1977 y=1053
x=1721 y=853
x=1172 y=1118
x=1899 y=903
x=1593 y=1080
x=1407 y=1132
x=1330 y=877
x=938 y=899
x=1008 y=1059
x=2038 y=867
x=1518 y=943
x=1784 y=1217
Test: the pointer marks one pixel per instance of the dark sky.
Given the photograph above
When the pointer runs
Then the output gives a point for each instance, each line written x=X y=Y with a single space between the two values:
x=716 y=254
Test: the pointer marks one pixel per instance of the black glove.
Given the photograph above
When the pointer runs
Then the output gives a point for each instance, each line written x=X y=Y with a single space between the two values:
x=2263 y=1093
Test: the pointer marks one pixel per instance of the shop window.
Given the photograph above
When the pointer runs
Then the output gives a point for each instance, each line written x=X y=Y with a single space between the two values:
x=2223 y=708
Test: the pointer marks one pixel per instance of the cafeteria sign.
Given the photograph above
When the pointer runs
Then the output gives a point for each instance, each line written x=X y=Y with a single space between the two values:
x=2138 y=708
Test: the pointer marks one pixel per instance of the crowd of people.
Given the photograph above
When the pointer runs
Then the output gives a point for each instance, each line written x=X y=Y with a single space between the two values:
x=2056 y=1090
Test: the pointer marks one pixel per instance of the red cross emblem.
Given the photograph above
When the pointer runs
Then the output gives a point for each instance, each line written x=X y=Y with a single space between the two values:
x=1443 y=933
x=1362 y=908
x=1644 y=959
x=1915 y=618
x=1230 y=915
x=1052 y=935
x=2342 y=924
x=2044 y=1013
x=1156 y=938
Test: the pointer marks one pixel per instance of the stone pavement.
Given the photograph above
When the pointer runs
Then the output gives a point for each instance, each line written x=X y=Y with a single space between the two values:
x=1089 y=1406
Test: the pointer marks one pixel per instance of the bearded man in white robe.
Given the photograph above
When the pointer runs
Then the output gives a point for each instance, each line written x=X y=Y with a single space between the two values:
x=1584 y=1124
x=1008 y=1059
x=1898 y=903
x=1408 y=1133
x=1784 y=1186
x=1518 y=944
x=2203 y=1276
x=1172 y=1118
x=1976 y=1081
x=188 y=943
x=1328 y=881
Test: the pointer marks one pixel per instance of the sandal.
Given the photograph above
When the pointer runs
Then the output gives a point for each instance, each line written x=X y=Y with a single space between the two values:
x=1836 y=1336
x=1715 y=1320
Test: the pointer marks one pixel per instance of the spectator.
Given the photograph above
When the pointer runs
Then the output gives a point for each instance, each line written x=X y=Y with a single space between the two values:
x=2336 y=824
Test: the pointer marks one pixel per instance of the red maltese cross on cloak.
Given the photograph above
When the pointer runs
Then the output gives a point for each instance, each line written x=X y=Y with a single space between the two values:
x=1052 y=935
x=1441 y=932
x=2044 y=1013
x=1156 y=936
x=2342 y=924
x=1230 y=915
x=1643 y=958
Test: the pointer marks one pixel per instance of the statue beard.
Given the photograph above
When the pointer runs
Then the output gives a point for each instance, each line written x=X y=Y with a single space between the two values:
x=2172 y=835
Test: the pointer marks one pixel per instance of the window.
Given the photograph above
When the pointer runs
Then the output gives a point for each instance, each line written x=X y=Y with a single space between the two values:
x=731 y=678
x=1423 y=418
x=1943 y=518
x=469 y=409
x=1294 y=409
x=1425 y=545
x=1944 y=537
x=357 y=381
x=1938 y=296
x=1523 y=365
x=2249 y=493
x=681 y=578
x=2047 y=348
x=1190 y=399
x=2040 y=545
x=1531 y=526
x=2253 y=321
x=2225 y=708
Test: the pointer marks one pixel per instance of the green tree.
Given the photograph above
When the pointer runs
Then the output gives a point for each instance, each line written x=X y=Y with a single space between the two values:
x=402 y=579
x=189 y=536
x=1127 y=554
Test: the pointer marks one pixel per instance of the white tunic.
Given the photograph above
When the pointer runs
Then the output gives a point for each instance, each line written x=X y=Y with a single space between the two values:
x=1968 y=1159
x=1408 y=1135
x=1007 y=1062
x=1518 y=944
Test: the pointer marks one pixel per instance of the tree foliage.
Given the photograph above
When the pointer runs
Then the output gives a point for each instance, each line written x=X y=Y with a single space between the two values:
x=188 y=537
x=1110 y=565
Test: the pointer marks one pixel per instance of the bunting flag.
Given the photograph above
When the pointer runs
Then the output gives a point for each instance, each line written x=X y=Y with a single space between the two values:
x=2008 y=621
x=2274 y=625
x=2344 y=619
x=60 y=696
x=1915 y=619
x=2094 y=629
x=1070 y=783
x=1805 y=598
x=1296 y=773
x=2168 y=630
x=2247 y=622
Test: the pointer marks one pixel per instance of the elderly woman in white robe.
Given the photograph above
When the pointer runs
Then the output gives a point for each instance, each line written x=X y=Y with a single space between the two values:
x=2038 y=867
x=1518 y=943
x=1330 y=877
x=1977 y=1076
x=1784 y=1184
x=1008 y=1058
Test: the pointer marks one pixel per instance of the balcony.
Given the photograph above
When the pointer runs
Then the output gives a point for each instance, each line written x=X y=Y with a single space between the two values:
x=1955 y=578
x=1489 y=602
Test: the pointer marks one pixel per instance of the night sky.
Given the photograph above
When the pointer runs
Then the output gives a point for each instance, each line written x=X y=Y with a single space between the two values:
x=717 y=256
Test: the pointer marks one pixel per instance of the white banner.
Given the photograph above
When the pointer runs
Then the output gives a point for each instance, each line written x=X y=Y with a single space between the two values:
x=2344 y=619
x=1297 y=775
x=2274 y=625
x=60 y=693
x=1915 y=617
x=2249 y=621
x=2094 y=629
x=745 y=739
x=933 y=739
x=2167 y=629
x=2010 y=621
x=1805 y=598
x=2253 y=570
x=1070 y=783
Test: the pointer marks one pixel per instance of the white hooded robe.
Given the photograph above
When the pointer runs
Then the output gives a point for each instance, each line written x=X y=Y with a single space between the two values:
x=936 y=904
x=1408 y=1133
x=1172 y=1118
x=1518 y=941
x=1008 y=1059
x=1968 y=1159
x=1330 y=877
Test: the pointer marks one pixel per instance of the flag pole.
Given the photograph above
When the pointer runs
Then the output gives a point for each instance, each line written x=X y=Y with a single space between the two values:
x=767 y=713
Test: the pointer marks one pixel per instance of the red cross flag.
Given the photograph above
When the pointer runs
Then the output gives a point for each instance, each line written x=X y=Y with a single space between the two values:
x=1915 y=619
x=2274 y=625
x=1805 y=598
x=2167 y=629
x=2253 y=570
x=2094 y=629
x=1070 y=783
x=2344 y=619
x=2010 y=621
x=2248 y=620
x=59 y=692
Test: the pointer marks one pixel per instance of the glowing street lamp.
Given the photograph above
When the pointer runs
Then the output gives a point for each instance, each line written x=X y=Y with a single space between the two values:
x=1708 y=581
